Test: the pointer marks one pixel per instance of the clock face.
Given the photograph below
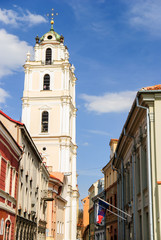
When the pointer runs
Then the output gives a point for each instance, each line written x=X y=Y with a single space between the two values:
x=50 y=37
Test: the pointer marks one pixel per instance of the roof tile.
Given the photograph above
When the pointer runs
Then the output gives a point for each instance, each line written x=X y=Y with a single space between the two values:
x=155 y=87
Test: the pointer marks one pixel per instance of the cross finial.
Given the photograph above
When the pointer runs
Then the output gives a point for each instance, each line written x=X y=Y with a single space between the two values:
x=52 y=18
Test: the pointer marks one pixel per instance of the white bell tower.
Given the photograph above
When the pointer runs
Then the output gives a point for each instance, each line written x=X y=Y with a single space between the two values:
x=49 y=113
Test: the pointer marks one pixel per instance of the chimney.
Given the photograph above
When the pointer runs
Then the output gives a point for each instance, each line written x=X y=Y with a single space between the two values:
x=113 y=145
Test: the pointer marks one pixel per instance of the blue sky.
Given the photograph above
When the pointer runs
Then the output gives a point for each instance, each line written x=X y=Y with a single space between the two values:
x=115 y=46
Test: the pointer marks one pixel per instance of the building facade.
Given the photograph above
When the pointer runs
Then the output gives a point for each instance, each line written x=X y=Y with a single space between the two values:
x=100 y=229
x=110 y=176
x=95 y=189
x=137 y=161
x=10 y=156
x=49 y=112
x=85 y=202
x=32 y=185
x=55 y=208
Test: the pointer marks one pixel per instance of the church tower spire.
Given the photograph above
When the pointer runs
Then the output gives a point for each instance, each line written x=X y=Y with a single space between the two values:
x=49 y=113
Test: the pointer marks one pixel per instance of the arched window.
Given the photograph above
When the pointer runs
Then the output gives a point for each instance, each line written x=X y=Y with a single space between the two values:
x=46 y=85
x=7 y=230
x=48 y=56
x=44 y=123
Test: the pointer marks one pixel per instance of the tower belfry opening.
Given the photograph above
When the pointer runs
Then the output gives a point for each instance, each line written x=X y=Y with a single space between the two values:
x=48 y=55
x=44 y=126
x=46 y=84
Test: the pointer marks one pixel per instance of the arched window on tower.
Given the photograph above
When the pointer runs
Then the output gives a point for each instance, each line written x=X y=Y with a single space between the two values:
x=44 y=121
x=46 y=84
x=48 y=56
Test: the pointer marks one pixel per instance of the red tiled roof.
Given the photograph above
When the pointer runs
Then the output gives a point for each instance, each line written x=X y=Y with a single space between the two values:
x=155 y=87
x=57 y=175
x=114 y=139
x=12 y=120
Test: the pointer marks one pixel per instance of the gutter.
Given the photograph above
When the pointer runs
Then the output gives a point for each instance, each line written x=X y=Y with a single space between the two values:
x=149 y=171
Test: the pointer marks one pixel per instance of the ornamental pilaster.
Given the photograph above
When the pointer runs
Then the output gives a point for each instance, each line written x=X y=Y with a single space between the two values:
x=74 y=126
x=66 y=56
x=65 y=154
x=26 y=78
x=36 y=52
x=65 y=114
x=66 y=77
x=74 y=173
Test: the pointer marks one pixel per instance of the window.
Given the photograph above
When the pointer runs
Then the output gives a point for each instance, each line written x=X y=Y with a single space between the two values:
x=13 y=182
x=147 y=225
x=46 y=84
x=110 y=180
x=138 y=174
x=115 y=200
x=48 y=56
x=44 y=123
x=140 y=224
x=144 y=169
x=50 y=37
x=7 y=230
x=1 y=226
x=57 y=227
x=115 y=234
x=8 y=177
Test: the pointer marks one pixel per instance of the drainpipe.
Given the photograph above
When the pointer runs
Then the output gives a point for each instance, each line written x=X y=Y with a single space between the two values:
x=149 y=171
x=133 y=178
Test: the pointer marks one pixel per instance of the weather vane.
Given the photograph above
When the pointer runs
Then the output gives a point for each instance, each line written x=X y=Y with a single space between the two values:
x=52 y=16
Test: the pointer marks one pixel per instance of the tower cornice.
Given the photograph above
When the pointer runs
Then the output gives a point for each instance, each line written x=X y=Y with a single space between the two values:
x=66 y=99
x=40 y=64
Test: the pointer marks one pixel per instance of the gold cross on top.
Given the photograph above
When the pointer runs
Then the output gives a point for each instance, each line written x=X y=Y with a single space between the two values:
x=52 y=16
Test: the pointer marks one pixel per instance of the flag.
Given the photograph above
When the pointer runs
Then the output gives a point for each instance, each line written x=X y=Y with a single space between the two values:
x=101 y=211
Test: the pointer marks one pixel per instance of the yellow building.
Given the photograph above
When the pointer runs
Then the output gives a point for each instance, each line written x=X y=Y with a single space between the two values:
x=85 y=202
x=110 y=178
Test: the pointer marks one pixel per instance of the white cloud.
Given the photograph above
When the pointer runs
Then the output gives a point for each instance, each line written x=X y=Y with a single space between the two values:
x=85 y=144
x=146 y=15
x=8 y=17
x=99 y=132
x=19 y=17
x=3 y=95
x=34 y=19
x=13 y=53
x=109 y=102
